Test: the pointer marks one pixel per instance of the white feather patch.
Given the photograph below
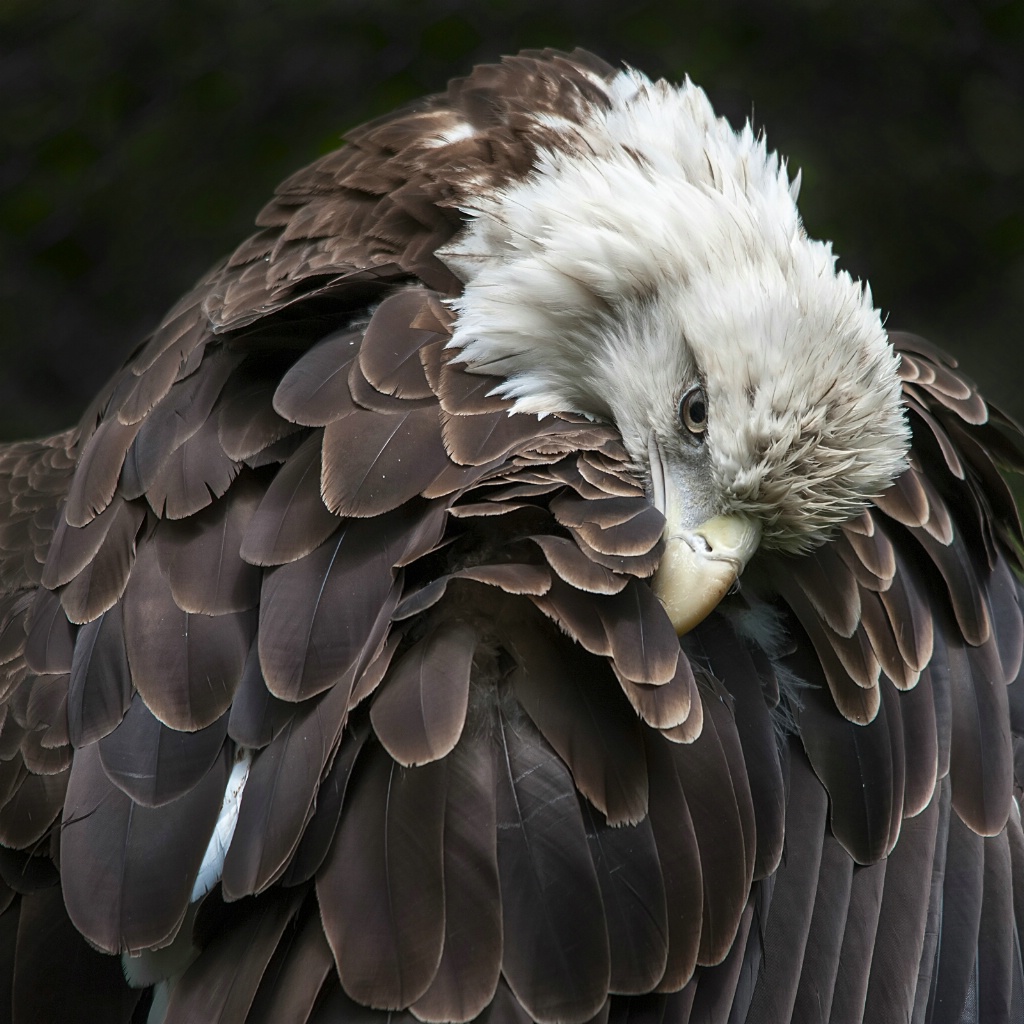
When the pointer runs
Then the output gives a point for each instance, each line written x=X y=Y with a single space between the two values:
x=212 y=867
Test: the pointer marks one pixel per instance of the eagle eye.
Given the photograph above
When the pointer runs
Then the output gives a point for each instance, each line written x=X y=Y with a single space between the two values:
x=693 y=410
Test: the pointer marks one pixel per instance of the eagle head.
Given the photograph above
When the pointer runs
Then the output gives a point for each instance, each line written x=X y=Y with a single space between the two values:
x=651 y=270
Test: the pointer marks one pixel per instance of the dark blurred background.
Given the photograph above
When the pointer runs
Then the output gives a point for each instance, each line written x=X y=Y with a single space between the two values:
x=138 y=141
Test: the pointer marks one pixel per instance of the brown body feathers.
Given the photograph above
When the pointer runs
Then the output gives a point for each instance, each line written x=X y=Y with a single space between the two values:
x=485 y=780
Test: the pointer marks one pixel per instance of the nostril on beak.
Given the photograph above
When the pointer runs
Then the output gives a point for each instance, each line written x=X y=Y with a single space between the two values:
x=700 y=543
x=726 y=537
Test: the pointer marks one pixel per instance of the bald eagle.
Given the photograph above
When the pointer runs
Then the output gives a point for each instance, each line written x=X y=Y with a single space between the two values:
x=524 y=582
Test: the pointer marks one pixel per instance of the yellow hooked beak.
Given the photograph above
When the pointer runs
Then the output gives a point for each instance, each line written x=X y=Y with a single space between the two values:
x=700 y=565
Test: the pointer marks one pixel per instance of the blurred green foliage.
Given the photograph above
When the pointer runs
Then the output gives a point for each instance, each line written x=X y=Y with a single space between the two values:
x=138 y=141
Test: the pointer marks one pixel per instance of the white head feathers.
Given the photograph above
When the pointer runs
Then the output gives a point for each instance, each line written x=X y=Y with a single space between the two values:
x=654 y=246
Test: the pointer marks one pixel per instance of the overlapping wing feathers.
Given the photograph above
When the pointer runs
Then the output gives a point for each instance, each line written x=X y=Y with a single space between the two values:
x=486 y=782
x=476 y=737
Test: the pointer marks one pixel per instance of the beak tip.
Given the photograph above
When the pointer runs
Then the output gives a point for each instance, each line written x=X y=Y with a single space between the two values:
x=688 y=597
x=692 y=579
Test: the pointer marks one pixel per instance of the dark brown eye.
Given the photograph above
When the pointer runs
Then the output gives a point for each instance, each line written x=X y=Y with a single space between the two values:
x=693 y=411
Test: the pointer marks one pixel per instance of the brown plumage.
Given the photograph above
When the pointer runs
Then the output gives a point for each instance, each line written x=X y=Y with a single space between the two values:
x=303 y=575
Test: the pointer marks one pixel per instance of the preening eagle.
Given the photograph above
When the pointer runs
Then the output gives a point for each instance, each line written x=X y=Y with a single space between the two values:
x=525 y=582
